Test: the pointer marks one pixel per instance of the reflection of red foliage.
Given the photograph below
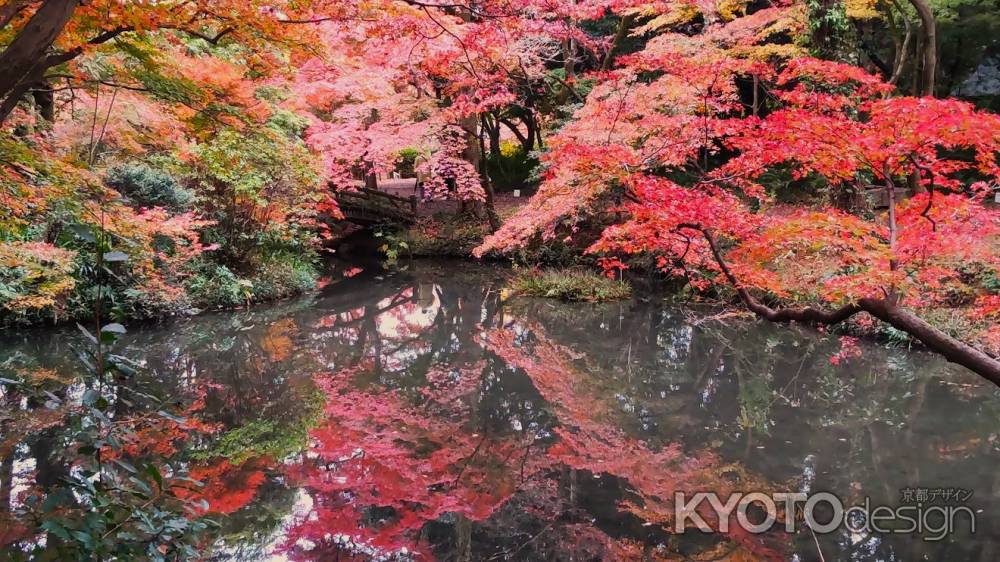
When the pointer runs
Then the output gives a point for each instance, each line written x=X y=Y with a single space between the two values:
x=160 y=436
x=385 y=463
x=227 y=488
x=378 y=451
x=591 y=442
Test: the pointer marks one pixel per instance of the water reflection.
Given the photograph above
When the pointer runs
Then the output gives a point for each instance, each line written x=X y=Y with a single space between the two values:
x=420 y=415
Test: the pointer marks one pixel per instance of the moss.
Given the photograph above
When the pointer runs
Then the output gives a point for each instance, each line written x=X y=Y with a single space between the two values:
x=569 y=285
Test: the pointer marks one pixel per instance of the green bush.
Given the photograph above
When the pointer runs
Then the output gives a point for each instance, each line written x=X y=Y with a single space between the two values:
x=569 y=285
x=512 y=168
x=406 y=163
x=283 y=276
x=215 y=286
x=145 y=186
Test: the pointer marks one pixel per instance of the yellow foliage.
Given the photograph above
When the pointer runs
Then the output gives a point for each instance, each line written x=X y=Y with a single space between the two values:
x=34 y=275
x=678 y=14
x=732 y=9
x=769 y=51
x=509 y=149
x=862 y=9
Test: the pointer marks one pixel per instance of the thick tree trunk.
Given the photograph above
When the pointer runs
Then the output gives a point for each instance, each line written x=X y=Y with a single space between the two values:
x=27 y=51
x=927 y=50
x=885 y=310
x=528 y=144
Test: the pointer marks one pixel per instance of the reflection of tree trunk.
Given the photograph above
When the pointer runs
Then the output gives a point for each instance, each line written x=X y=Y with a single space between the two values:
x=6 y=481
x=47 y=472
x=569 y=478
x=463 y=538
x=875 y=442
x=989 y=553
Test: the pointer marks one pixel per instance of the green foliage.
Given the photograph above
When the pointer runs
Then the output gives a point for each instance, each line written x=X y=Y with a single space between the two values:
x=257 y=185
x=145 y=186
x=569 y=285
x=258 y=164
x=288 y=123
x=269 y=437
x=110 y=506
x=393 y=245
x=406 y=162
x=215 y=286
x=283 y=276
x=511 y=169
x=832 y=34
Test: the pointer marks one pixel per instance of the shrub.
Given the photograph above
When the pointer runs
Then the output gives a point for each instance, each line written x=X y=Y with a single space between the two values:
x=256 y=184
x=512 y=168
x=145 y=186
x=406 y=162
x=215 y=286
x=283 y=276
x=569 y=285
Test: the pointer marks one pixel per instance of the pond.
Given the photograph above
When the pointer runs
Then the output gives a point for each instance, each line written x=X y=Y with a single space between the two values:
x=426 y=414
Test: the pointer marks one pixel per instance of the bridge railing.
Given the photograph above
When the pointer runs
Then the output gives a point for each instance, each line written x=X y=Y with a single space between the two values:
x=374 y=204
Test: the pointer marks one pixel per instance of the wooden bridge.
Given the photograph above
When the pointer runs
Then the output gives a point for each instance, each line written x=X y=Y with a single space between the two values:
x=395 y=200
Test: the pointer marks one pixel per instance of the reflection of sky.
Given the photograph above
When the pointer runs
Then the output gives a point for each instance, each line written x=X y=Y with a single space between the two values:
x=411 y=317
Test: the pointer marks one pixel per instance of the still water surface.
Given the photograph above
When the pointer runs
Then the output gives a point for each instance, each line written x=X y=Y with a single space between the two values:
x=421 y=414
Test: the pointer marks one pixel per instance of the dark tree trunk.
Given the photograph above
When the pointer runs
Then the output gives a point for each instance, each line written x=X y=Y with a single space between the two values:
x=11 y=9
x=623 y=26
x=492 y=127
x=473 y=155
x=45 y=101
x=26 y=53
x=926 y=50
